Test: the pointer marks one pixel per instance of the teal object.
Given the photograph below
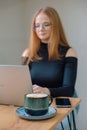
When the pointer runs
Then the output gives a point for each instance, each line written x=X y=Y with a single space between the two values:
x=21 y=113
x=37 y=105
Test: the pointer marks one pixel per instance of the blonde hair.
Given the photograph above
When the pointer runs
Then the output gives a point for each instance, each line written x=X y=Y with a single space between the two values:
x=57 y=36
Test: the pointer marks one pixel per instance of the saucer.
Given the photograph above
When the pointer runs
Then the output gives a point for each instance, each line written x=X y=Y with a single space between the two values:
x=21 y=113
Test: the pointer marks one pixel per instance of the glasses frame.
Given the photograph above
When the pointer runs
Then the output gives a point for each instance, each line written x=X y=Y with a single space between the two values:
x=44 y=26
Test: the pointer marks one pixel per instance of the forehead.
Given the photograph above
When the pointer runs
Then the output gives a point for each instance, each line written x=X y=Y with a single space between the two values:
x=42 y=17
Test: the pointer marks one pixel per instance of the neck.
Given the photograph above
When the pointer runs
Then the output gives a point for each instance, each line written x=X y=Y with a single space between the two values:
x=44 y=41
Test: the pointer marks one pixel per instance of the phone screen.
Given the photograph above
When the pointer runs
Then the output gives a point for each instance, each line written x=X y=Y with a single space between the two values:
x=62 y=102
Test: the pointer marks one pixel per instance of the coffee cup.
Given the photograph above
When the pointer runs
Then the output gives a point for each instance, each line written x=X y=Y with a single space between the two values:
x=37 y=104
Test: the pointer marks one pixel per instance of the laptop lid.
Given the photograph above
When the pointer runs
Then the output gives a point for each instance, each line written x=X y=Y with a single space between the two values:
x=15 y=82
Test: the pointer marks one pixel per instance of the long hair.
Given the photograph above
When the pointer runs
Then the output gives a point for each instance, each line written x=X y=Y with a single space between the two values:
x=57 y=36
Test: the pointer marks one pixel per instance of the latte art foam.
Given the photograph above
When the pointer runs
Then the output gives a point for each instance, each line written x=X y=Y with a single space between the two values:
x=39 y=95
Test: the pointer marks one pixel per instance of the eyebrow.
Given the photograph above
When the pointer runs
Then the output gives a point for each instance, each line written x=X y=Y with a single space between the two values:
x=43 y=22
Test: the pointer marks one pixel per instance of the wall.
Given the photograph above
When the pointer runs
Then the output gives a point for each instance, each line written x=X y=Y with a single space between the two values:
x=15 y=20
x=12 y=35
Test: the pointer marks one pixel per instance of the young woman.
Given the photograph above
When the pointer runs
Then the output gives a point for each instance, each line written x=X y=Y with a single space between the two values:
x=52 y=61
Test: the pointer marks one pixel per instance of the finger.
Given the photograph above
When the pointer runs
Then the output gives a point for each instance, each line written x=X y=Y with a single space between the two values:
x=36 y=91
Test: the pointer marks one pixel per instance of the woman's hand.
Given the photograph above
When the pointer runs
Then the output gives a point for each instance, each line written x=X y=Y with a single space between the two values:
x=38 y=89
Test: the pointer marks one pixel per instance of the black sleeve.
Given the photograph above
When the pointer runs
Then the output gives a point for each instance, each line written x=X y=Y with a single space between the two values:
x=69 y=79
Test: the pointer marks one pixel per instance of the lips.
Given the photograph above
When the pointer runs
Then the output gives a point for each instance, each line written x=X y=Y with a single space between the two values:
x=42 y=34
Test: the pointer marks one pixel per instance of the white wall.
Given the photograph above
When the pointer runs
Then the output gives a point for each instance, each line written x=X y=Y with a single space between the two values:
x=15 y=20
x=12 y=34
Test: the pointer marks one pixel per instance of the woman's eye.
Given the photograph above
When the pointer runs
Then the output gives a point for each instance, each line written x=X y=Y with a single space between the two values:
x=37 y=26
x=46 y=24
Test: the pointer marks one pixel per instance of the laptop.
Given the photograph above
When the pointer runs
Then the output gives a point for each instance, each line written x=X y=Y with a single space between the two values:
x=15 y=82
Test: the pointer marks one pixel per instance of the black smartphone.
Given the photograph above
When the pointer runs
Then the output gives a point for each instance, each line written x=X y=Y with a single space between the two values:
x=63 y=102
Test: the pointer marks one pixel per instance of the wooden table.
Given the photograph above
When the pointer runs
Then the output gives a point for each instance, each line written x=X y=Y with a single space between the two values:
x=9 y=120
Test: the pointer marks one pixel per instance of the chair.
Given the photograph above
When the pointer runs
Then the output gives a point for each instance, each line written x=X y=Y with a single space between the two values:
x=73 y=114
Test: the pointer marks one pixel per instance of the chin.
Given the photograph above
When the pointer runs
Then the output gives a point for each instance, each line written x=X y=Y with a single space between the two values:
x=44 y=39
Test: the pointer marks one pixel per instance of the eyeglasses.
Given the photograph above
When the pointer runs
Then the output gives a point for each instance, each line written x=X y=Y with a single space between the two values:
x=44 y=26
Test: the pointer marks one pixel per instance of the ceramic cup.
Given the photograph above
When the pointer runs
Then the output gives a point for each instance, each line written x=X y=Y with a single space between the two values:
x=37 y=104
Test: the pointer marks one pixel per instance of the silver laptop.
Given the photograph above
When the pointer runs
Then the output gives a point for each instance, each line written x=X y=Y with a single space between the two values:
x=15 y=82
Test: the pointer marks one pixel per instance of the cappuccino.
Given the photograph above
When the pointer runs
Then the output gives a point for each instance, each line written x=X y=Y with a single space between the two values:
x=39 y=95
x=37 y=104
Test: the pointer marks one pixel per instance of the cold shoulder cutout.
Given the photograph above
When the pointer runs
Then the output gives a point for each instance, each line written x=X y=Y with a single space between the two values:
x=71 y=53
x=25 y=53
x=24 y=57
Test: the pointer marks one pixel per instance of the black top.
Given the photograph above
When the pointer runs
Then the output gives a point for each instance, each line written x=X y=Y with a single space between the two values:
x=57 y=75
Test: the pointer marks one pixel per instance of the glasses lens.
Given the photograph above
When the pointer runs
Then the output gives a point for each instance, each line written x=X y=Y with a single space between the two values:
x=45 y=26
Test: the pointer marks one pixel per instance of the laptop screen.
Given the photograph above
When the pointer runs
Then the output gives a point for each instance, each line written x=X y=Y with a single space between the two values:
x=15 y=82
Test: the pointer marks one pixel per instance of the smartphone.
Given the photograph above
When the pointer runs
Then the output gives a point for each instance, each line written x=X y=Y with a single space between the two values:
x=63 y=102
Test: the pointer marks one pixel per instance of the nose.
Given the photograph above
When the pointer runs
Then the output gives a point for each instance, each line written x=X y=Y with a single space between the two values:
x=41 y=27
